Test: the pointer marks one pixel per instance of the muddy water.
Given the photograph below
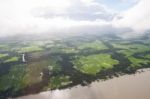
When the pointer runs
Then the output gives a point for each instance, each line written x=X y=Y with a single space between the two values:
x=125 y=87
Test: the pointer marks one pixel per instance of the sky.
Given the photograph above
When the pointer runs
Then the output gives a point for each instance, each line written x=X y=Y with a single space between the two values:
x=73 y=16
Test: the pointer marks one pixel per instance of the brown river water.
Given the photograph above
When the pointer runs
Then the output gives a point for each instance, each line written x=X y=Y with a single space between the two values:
x=135 y=86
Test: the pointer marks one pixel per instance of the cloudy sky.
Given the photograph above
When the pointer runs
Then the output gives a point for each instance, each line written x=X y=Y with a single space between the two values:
x=64 y=16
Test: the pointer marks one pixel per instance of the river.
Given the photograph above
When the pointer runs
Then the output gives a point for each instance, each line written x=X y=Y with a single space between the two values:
x=135 y=86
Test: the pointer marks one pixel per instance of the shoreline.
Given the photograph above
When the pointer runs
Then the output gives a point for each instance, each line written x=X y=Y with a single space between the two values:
x=122 y=87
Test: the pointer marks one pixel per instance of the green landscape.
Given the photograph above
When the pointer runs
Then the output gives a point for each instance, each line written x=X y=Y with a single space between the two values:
x=41 y=64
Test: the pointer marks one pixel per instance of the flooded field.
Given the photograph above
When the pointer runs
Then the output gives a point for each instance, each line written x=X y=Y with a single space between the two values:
x=125 y=87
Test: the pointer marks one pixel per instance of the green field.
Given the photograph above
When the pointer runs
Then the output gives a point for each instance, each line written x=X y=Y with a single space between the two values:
x=94 y=63
x=138 y=62
x=3 y=55
x=147 y=56
x=12 y=59
x=30 y=49
x=130 y=49
x=97 y=45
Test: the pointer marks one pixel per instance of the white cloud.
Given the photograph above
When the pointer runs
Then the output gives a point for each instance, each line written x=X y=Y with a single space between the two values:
x=78 y=10
x=42 y=16
x=68 y=16
x=137 y=18
x=131 y=1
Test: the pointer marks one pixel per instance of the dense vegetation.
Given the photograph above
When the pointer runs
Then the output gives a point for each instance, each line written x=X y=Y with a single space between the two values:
x=66 y=62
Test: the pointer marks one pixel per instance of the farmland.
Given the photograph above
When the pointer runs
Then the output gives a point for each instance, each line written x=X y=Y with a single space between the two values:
x=59 y=63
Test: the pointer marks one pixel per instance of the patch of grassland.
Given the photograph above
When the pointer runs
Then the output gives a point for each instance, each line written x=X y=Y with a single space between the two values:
x=4 y=47
x=131 y=49
x=147 y=56
x=12 y=59
x=97 y=45
x=137 y=62
x=48 y=46
x=38 y=43
x=63 y=49
x=94 y=63
x=30 y=49
x=121 y=46
x=14 y=79
x=3 y=55
x=69 y=50
x=130 y=46
x=127 y=53
x=35 y=68
x=59 y=81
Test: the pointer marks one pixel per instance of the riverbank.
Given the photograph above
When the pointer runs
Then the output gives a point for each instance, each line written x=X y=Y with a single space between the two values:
x=136 y=86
